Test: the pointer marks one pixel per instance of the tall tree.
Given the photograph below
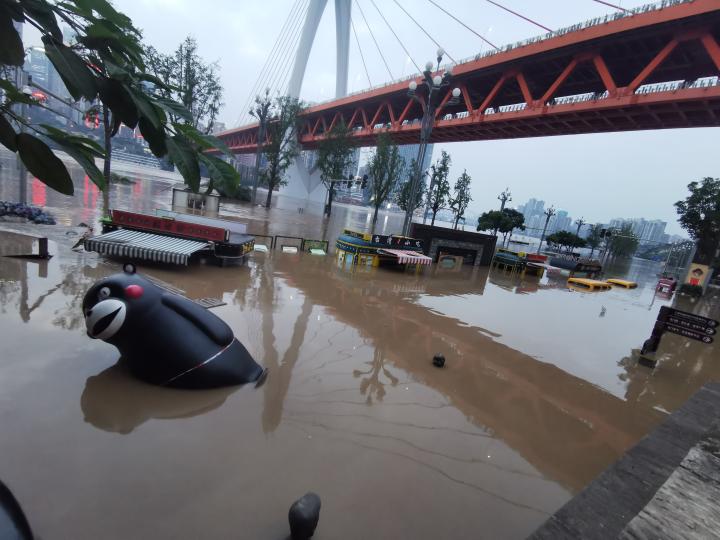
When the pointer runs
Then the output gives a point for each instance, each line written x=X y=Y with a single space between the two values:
x=512 y=219
x=504 y=221
x=594 y=239
x=700 y=217
x=190 y=80
x=491 y=220
x=282 y=146
x=402 y=197
x=261 y=111
x=439 y=185
x=461 y=196
x=106 y=62
x=566 y=239
x=385 y=167
x=623 y=243
x=334 y=158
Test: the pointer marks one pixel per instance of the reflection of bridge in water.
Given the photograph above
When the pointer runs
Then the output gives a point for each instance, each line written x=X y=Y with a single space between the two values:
x=567 y=428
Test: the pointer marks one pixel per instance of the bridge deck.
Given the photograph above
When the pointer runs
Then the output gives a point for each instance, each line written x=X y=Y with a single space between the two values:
x=656 y=69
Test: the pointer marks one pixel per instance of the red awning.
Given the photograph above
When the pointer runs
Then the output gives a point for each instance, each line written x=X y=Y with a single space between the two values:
x=405 y=256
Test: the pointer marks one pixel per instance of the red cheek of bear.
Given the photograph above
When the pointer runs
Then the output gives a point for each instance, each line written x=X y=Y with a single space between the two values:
x=133 y=291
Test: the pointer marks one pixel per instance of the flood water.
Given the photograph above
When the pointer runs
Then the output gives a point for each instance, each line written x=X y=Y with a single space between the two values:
x=540 y=393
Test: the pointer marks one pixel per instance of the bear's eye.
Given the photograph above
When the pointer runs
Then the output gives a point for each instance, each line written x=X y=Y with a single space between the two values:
x=104 y=292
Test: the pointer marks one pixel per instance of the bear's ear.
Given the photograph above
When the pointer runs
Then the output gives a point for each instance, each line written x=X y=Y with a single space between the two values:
x=129 y=268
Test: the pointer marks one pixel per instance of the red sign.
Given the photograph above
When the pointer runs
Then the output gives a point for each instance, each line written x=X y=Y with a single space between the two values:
x=169 y=226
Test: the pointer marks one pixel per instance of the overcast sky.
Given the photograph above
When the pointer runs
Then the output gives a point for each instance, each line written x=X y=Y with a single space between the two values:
x=600 y=177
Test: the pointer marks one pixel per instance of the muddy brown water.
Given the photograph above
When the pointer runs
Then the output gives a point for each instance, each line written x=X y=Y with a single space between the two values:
x=540 y=393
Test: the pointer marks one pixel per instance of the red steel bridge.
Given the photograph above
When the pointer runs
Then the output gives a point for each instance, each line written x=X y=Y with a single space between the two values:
x=654 y=69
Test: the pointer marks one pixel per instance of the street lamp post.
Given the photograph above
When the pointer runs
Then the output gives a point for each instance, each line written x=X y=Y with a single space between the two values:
x=550 y=212
x=504 y=197
x=433 y=84
x=580 y=222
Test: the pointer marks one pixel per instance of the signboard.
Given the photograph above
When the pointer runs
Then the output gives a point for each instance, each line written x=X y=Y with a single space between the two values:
x=399 y=241
x=687 y=324
x=168 y=226
x=692 y=334
x=677 y=315
x=697 y=274
x=691 y=325
x=355 y=234
x=681 y=323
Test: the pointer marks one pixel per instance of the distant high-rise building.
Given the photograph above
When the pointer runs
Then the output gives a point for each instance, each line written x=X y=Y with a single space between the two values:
x=38 y=66
x=647 y=231
x=561 y=221
x=409 y=153
x=534 y=217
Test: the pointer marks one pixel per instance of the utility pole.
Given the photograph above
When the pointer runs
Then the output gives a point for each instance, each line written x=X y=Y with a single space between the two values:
x=550 y=212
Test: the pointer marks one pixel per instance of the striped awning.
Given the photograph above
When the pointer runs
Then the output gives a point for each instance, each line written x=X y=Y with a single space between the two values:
x=406 y=256
x=145 y=246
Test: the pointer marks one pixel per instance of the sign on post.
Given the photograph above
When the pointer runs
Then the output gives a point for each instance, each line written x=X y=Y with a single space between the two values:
x=681 y=323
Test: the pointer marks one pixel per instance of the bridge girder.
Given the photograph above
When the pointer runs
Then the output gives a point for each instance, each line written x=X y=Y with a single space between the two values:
x=523 y=92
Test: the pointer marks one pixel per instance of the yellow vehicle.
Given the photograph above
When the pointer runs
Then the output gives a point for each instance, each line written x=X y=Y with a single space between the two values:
x=583 y=284
x=622 y=283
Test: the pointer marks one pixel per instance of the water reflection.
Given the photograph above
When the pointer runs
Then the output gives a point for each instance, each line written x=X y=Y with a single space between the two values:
x=141 y=193
x=280 y=374
x=521 y=416
x=565 y=427
x=684 y=365
x=372 y=384
x=115 y=401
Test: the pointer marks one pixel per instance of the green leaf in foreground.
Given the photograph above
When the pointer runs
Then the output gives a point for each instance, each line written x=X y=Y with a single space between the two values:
x=73 y=71
x=185 y=159
x=11 y=47
x=205 y=142
x=41 y=162
x=7 y=135
x=85 y=144
x=82 y=156
x=154 y=137
x=173 y=107
x=221 y=172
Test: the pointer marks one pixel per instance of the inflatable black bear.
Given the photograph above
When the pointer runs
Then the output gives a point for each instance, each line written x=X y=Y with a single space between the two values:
x=165 y=339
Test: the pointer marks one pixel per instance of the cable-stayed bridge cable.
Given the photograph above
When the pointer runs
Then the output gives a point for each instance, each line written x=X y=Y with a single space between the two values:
x=519 y=15
x=266 y=69
x=396 y=36
x=264 y=72
x=362 y=57
x=283 y=70
x=375 y=40
x=613 y=6
x=244 y=111
x=424 y=31
x=465 y=25
x=286 y=52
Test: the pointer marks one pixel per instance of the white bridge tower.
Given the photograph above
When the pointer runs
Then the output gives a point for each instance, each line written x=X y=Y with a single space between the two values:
x=342 y=33
x=304 y=183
